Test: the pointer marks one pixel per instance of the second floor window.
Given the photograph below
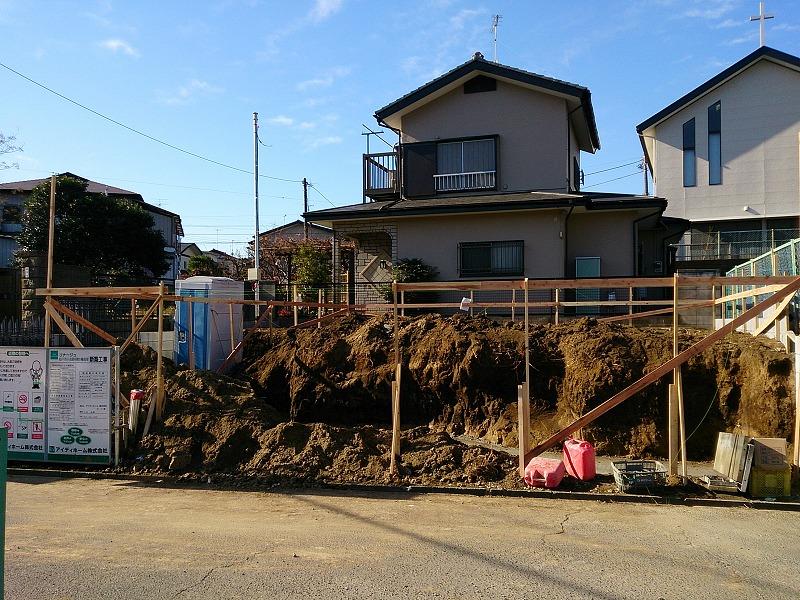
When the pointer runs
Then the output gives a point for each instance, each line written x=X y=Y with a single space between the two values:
x=715 y=144
x=689 y=155
x=465 y=165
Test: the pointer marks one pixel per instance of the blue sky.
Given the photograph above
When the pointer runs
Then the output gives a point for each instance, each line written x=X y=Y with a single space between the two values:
x=192 y=73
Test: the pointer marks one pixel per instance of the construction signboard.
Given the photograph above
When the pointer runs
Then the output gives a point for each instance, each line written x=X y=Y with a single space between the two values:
x=56 y=403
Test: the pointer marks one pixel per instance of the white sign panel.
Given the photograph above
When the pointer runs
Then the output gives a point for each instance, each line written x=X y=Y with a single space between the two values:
x=78 y=404
x=22 y=390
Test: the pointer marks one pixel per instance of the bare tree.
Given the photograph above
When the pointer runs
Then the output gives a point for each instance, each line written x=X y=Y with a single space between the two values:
x=8 y=146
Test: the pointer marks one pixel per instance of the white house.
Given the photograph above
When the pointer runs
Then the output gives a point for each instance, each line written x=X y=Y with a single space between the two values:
x=726 y=156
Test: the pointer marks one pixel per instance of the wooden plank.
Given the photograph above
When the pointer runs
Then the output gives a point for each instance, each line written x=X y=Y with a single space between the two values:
x=768 y=289
x=313 y=322
x=83 y=322
x=150 y=411
x=98 y=292
x=139 y=326
x=160 y=357
x=239 y=346
x=133 y=314
x=523 y=425
x=395 y=451
x=190 y=333
x=665 y=368
x=796 y=441
x=769 y=320
x=673 y=429
x=681 y=421
x=62 y=325
x=660 y=311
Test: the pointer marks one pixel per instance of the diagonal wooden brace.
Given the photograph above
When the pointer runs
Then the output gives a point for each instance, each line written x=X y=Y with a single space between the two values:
x=665 y=368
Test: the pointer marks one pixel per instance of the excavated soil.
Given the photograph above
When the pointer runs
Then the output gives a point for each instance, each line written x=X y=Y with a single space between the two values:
x=460 y=375
x=313 y=405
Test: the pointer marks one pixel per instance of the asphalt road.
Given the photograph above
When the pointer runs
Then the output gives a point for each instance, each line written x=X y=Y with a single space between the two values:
x=70 y=539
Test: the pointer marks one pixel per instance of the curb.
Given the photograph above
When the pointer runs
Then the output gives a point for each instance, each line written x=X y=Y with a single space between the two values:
x=172 y=482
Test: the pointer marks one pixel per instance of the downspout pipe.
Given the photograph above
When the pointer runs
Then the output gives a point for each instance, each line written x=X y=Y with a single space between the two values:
x=566 y=237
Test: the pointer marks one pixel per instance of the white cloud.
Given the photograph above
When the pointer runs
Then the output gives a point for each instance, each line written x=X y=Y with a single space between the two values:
x=743 y=39
x=711 y=9
x=324 y=9
x=186 y=92
x=307 y=125
x=324 y=80
x=281 y=120
x=462 y=17
x=785 y=27
x=325 y=141
x=117 y=45
x=728 y=23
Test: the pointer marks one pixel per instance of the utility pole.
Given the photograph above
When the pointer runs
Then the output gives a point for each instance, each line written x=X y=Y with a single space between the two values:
x=256 y=240
x=644 y=170
x=305 y=208
x=495 y=24
x=761 y=18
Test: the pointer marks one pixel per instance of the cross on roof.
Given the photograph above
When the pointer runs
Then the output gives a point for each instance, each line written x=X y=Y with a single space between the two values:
x=761 y=18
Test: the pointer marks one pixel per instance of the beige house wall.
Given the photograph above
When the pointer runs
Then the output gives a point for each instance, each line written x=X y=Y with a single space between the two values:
x=760 y=157
x=532 y=129
x=609 y=235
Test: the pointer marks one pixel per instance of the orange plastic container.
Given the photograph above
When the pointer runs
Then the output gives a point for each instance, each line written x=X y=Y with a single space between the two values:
x=579 y=459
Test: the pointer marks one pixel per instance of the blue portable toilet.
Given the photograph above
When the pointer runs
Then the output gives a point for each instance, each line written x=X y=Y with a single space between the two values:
x=211 y=321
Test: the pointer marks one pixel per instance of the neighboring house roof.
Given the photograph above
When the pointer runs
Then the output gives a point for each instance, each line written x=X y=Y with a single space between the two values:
x=94 y=187
x=189 y=246
x=763 y=53
x=276 y=231
x=220 y=255
x=490 y=202
x=581 y=96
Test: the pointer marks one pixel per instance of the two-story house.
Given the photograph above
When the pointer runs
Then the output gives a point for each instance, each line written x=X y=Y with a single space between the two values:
x=485 y=183
x=12 y=200
x=726 y=157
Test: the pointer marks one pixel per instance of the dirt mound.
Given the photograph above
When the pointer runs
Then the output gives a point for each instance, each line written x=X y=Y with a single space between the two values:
x=461 y=375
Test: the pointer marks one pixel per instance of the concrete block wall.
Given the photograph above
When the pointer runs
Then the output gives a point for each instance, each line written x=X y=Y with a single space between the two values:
x=375 y=241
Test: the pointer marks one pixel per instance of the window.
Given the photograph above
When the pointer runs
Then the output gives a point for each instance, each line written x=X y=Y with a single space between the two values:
x=478 y=259
x=715 y=144
x=465 y=165
x=689 y=155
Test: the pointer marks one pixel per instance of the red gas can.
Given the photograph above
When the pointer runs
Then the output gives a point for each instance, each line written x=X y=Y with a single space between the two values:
x=544 y=472
x=579 y=459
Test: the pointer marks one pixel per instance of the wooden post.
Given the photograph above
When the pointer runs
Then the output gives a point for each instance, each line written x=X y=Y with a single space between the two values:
x=160 y=359
x=673 y=428
x=319 y=308
x=133 y=314
x=402 y=303
x=630 y=305
x=230 y=325
x=513 y=304
x=557 y=306
x=190 y=326
x=527 y=385
x=395 y=388
x=523 y=425
x=471 y=300
x=713 y=307
x=676 y=377
x=294 y=299
x=51 y=236
x=796 y=442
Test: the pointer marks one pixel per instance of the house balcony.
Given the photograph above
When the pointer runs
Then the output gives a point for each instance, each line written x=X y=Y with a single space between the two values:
x=381 y=176
x=731 y=245
x=457 y=182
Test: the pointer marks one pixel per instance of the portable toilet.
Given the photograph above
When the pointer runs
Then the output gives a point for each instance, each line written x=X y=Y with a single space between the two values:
x=215 y=327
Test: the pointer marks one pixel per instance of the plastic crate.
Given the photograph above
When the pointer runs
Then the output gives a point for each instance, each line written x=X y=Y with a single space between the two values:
x=770 y=483
x=638 y=475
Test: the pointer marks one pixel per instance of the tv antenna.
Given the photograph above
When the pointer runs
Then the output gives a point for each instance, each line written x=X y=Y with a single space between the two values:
x=495 y=24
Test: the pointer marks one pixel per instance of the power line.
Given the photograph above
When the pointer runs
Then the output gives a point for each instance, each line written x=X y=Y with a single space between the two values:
x=138 y=132
x=614 y=168
x=610 y=180
x=314 y=187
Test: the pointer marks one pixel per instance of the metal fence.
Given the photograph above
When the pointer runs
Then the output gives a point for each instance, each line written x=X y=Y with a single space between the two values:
x=722 y=245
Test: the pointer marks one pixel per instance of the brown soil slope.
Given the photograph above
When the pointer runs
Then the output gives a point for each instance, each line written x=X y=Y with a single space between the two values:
x=461 y=373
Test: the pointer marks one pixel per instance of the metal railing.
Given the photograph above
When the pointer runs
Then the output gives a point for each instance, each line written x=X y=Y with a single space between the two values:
x=453 y=182
x=381 y=174
x=736 y=245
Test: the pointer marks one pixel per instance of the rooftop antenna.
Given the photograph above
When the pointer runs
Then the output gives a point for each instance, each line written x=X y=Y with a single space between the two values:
x=761 y=18
x=495 y=23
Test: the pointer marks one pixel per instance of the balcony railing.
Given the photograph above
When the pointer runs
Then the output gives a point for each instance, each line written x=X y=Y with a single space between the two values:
x=380 y=174
x=731 y=245
x=455 y=182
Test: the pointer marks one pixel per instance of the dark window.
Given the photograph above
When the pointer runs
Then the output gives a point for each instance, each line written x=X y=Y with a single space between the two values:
x=715 y=144
x=466 y=165
x=419 y=168
x=480 y=259
x=576 y=174
x=689 y=155
x=481 y=83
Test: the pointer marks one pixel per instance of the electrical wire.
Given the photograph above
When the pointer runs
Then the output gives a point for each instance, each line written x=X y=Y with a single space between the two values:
x=314 y=187
x=585 y=187
x=635 y=162
x=141 y=133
